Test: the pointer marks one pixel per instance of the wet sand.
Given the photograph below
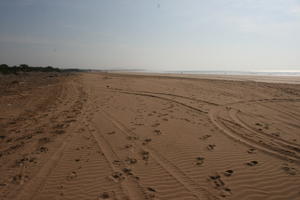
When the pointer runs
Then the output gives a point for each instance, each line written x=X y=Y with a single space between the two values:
x=129 y=136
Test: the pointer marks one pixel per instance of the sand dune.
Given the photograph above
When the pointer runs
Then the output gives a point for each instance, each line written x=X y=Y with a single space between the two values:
x=124 y=136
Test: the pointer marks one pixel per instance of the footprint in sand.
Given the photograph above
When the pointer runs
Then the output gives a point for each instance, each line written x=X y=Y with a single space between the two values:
x=111 y=133
x=165 y=119
x=117 y=162
x=127 y=171
x=185 y=119
x=146 y=141
x=156 y=125
x=157 y=132
x=43 y=149
x=128 y=146
x=219 y=184
x=106 y=195
x=199 y=161
x=117 y=177
x=276 y=134
x=289 y=170
x=132 y=138
x=44 y=140
x=252 y=163
x=131 y=160
x=211 y=147
x=205 y=137
x=228 y=172
x=145 y=155
x=139 y=124
x=19 y=179
x=251 y=151
x=71 y=176
x=150 y=193
x=59 y=132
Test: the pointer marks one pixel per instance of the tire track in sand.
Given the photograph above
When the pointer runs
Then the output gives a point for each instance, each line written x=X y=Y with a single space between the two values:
x=31 y=189
x=214 y=116
x=167 y=166
x=130 y=186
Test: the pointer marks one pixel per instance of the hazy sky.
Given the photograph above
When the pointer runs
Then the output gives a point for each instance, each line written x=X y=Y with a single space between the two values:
x=152 y=34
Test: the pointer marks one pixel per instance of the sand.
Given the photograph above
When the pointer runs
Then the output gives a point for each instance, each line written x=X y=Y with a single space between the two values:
x=128 y=136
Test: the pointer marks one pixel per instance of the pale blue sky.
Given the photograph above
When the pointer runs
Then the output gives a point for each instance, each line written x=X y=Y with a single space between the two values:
x=152 y=34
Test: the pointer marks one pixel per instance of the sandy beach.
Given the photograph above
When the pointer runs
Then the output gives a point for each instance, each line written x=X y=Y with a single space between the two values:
x=117 y=136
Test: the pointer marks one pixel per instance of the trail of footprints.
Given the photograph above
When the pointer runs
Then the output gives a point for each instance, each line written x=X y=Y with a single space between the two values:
x=216 y=179
x=141 y=155
x=116 y=170
x=34 y=141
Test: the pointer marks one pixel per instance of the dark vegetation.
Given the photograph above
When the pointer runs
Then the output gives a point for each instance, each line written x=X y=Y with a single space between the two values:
x=5 y=69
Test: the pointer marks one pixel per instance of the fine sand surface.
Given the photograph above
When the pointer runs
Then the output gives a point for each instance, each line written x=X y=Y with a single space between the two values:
x=120 y=136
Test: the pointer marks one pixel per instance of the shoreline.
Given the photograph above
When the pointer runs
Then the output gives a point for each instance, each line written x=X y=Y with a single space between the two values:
x=236 y=77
